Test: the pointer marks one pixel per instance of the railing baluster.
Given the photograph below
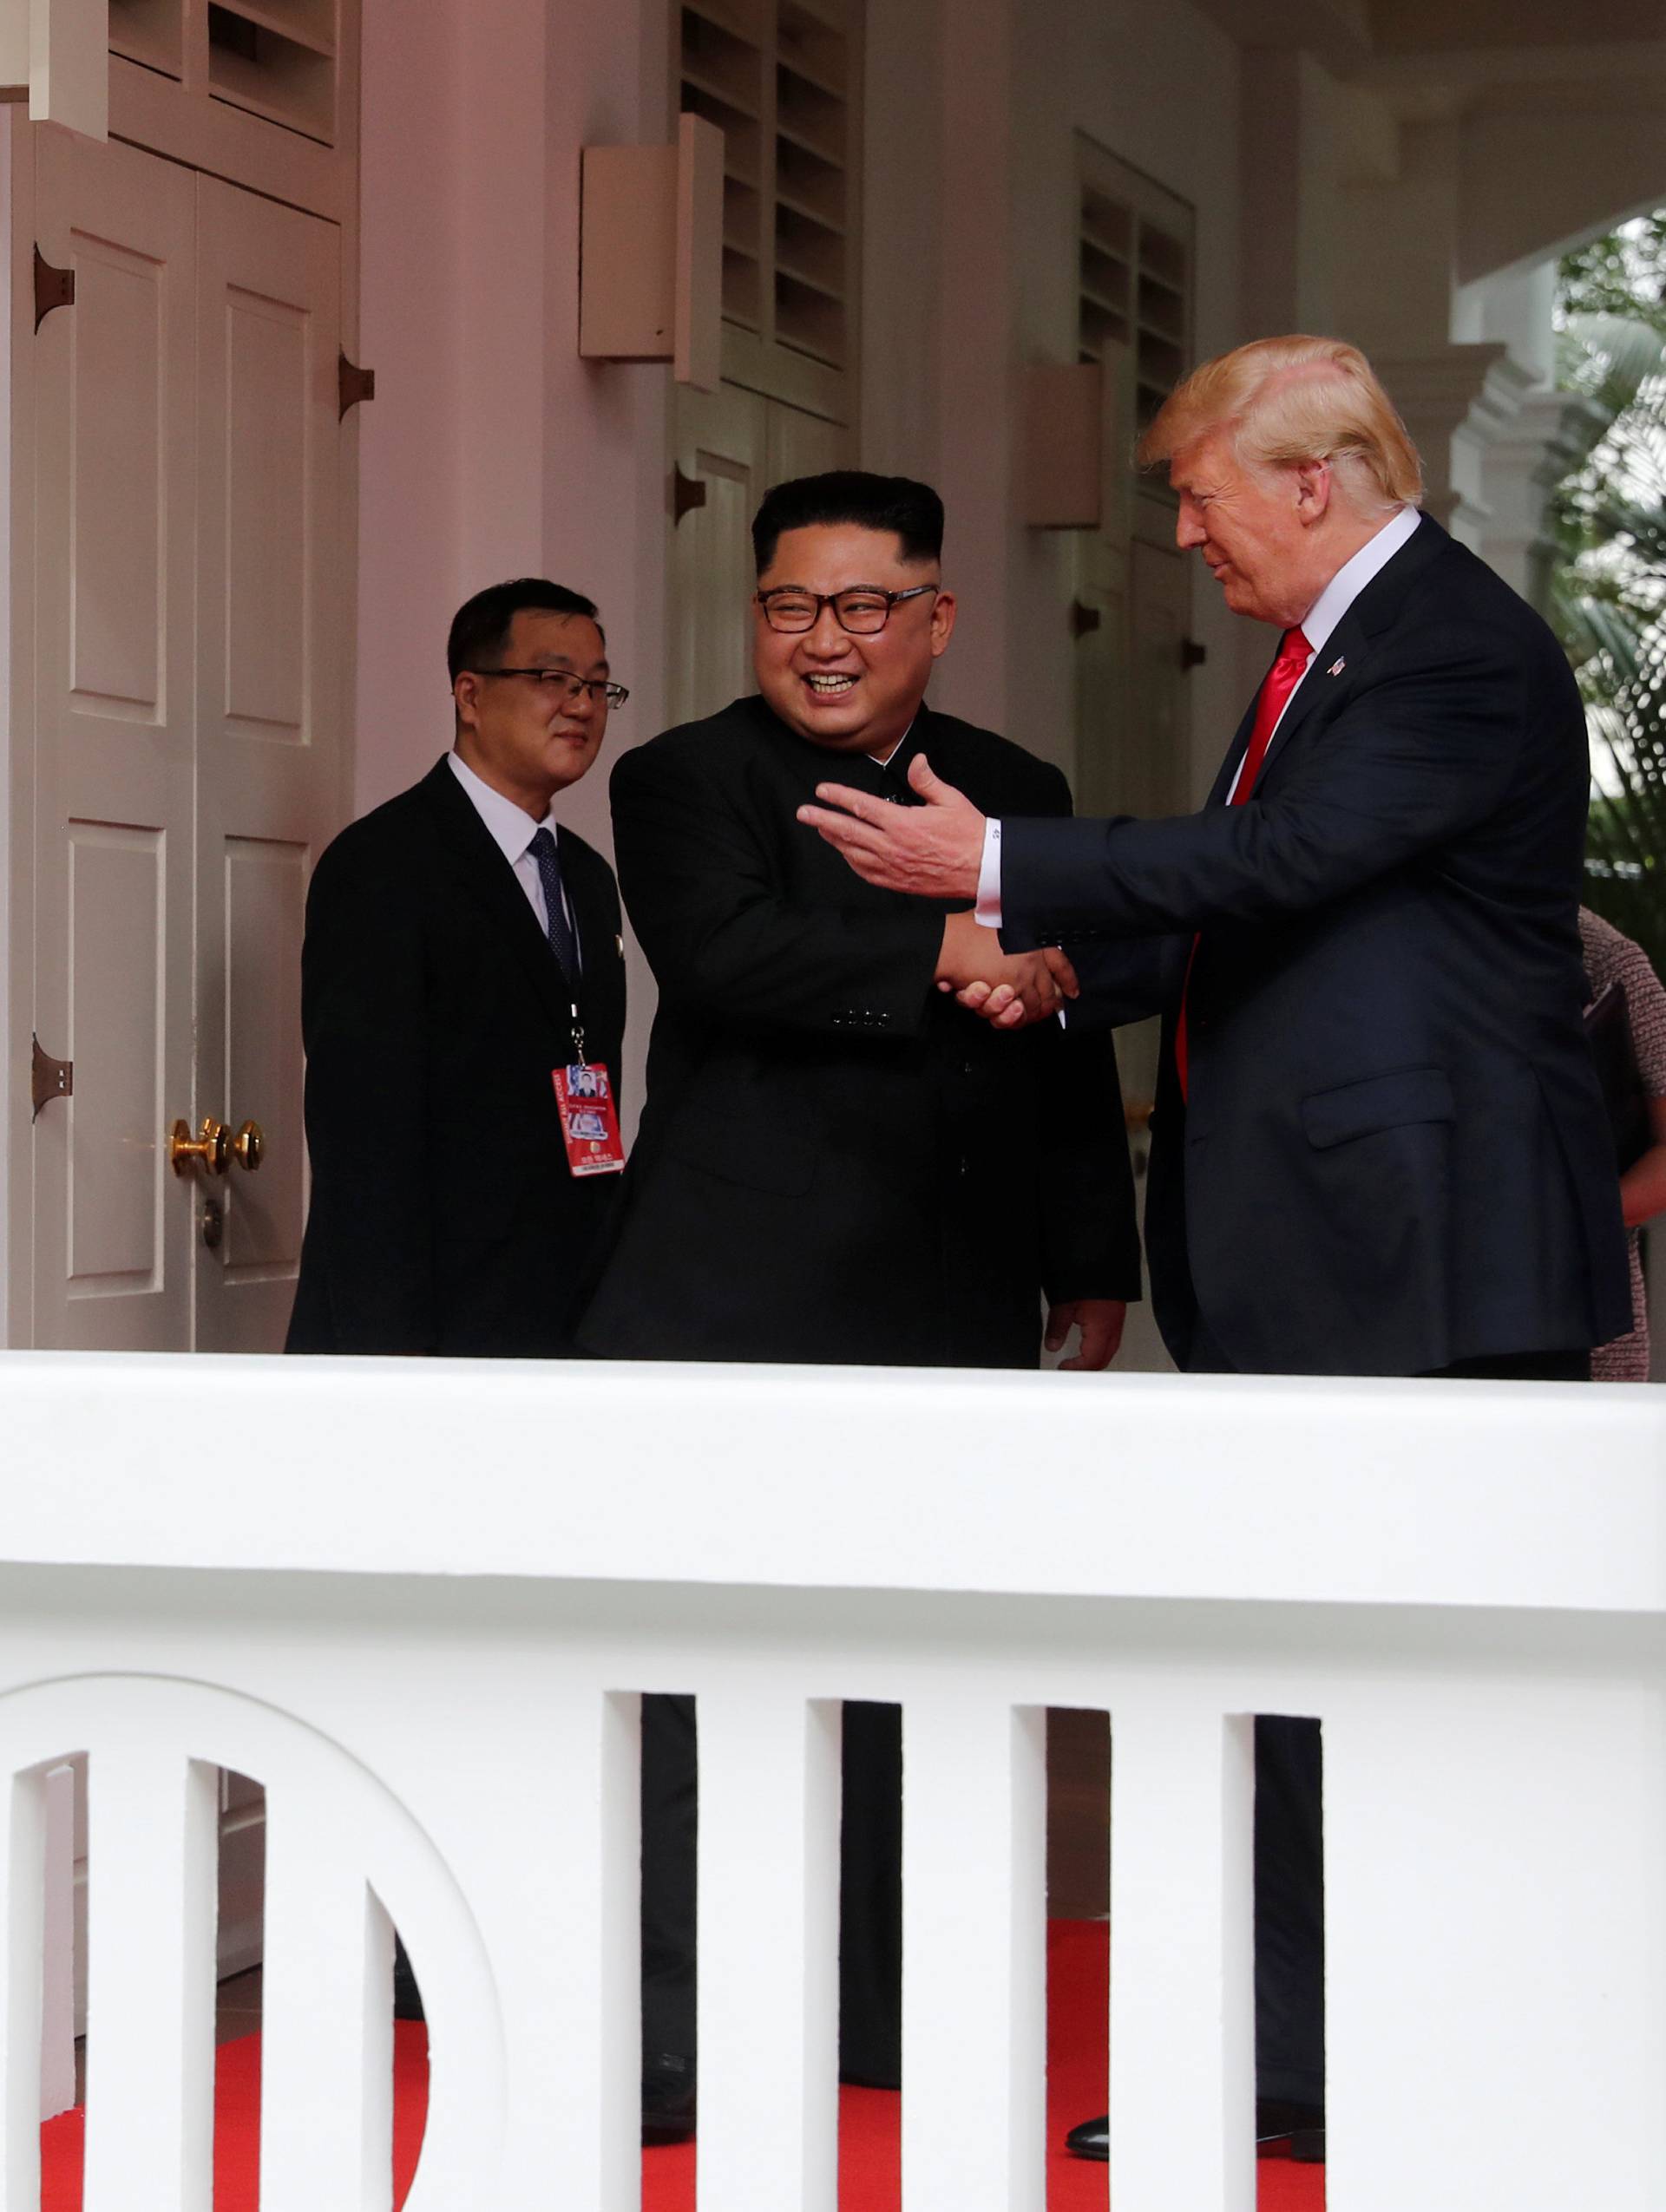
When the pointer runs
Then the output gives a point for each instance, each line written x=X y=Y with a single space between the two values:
x=582 y=2062
x=974 y=1952
x=23 y=1894
x=326 y=2020
x=1181 y=1959
x=152 y=1841
x=769 y=1896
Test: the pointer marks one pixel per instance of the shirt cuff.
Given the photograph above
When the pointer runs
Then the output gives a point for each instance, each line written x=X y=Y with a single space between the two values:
x=988 y=910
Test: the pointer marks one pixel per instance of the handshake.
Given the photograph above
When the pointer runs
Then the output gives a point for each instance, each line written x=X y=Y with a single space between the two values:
x=1008 y=989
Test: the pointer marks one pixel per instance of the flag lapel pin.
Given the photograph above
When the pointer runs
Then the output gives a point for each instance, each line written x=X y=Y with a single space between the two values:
x=1336 y=667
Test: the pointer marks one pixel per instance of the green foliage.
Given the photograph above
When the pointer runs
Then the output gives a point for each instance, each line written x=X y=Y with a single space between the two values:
x=1608 y=588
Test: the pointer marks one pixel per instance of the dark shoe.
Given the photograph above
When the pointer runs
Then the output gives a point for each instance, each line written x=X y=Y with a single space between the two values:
x=1281 y=2119
x=1302 y=2126
x=1090 y=2139
x=667 y=2097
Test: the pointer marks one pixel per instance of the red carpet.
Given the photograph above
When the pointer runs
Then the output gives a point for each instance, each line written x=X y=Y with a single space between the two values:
x=1077 y=1968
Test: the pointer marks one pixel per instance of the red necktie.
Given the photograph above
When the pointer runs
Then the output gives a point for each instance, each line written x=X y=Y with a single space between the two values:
x=1281 y=680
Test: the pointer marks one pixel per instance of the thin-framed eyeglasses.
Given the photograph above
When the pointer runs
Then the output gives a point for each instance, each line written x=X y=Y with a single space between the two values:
x=602 y=689
x=861 y=608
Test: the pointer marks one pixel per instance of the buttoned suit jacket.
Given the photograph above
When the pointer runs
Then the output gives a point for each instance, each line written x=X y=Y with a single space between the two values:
x=1392 y=1155
x=443 y=1216
x=835 y=1162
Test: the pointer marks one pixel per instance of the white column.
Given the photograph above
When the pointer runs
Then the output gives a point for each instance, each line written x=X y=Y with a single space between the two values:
x=1456 y=402
x=22 y=1889
x=769 y=1904
x=326 y=2019
x=1520 y=470
x=1182 y=1957
x=974 y=1951
x=152 y=1848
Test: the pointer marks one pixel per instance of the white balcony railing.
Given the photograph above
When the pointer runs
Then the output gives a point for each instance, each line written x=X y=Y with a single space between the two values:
x=416 y=1600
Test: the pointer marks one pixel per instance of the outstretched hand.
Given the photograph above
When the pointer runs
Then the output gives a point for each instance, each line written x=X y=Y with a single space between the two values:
x=934 y=851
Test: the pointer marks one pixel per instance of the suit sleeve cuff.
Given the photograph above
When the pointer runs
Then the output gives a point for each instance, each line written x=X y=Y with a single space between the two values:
x=988 y=910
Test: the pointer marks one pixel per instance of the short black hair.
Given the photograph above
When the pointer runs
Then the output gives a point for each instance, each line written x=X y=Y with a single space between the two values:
x=911 y=510
x=480 y=628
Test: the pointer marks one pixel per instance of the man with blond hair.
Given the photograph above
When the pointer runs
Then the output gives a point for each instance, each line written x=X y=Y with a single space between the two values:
x=1379 y=1147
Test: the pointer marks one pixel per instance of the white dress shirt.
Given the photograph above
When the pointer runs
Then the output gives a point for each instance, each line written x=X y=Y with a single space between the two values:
x=513 y=830
x=1315 y=625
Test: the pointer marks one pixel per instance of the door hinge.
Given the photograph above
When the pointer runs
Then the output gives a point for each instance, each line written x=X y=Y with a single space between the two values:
x=1192 y=655
x=353 y=386
x=1084 y=619
x=53 y=288
x=687 y=494
x=49 y=1078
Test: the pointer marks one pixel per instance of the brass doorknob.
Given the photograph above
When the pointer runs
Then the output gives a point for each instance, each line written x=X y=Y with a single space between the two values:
x=212 y=1146
x=249 y=1146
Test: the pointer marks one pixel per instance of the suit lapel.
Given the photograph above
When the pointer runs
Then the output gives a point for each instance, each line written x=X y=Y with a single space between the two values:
x=1336 y=665
x=487 y=877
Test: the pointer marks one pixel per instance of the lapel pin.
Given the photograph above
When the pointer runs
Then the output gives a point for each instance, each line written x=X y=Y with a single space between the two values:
x=619 y=944
x=1336 y=667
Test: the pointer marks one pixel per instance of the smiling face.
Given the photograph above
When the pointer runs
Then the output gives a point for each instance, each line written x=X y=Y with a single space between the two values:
x=529 y=739
x=850 y=694
x=1260 y=530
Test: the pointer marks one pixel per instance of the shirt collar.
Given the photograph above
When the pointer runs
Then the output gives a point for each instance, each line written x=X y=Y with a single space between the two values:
x=1353 y=576
x=511 y=826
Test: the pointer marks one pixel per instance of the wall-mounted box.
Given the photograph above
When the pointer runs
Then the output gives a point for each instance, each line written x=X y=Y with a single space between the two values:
x=651 y=253
x=58 y=52
x=1079 y=455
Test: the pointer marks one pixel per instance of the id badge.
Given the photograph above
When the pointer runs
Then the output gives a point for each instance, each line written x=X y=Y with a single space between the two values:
x=584 y=1093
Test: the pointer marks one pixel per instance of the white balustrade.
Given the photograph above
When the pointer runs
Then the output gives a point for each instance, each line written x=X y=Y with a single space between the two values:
x=418 y=1602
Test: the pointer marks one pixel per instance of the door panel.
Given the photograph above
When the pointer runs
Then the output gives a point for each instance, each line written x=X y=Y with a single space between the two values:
x=263 y=898
x=271 y=653
x=115 y=498
x=736 y=445
x=720 y=441
x=803 y=445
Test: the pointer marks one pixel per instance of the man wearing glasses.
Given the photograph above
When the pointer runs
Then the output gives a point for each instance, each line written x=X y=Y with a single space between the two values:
x=836 y=1162
x=462 y=950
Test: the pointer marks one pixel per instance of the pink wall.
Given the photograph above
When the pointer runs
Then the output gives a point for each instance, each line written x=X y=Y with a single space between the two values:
x=491 y=449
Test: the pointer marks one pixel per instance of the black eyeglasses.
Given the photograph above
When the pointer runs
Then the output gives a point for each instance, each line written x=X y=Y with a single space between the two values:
x=862 y=609
x=600 y=688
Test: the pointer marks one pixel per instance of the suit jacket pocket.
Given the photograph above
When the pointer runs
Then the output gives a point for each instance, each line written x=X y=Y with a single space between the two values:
x=1385 y=1101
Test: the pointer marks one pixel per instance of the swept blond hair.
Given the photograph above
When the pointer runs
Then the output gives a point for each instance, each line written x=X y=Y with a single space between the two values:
x=1296 y=399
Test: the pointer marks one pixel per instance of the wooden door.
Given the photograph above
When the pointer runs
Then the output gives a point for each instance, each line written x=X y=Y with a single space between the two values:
x=191 y=653
x=731 y=445
x=114 y=383
x=271 y=716
x=721 y=452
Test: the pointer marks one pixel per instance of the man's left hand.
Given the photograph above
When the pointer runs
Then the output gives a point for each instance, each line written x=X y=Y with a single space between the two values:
x=934 y=851
x=1101 y=1321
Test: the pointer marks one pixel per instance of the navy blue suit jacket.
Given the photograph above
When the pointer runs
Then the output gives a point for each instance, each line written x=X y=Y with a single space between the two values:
x=1394 y=1154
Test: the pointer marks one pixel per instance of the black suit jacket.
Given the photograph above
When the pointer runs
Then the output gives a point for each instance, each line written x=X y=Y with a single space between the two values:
x=443 y=1217
x=1393 y=1155
x=835 y=1162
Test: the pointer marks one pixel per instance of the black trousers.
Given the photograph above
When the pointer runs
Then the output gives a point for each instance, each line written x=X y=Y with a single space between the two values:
x=1289 y=1825
x=870 y=1886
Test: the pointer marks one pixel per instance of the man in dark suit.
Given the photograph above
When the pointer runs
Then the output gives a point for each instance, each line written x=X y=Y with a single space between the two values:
x=837 y=1162
x=462 y=945
x=1378 y=1145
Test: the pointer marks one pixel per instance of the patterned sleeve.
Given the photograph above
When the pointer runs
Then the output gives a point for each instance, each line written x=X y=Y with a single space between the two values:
x=1609 y=955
